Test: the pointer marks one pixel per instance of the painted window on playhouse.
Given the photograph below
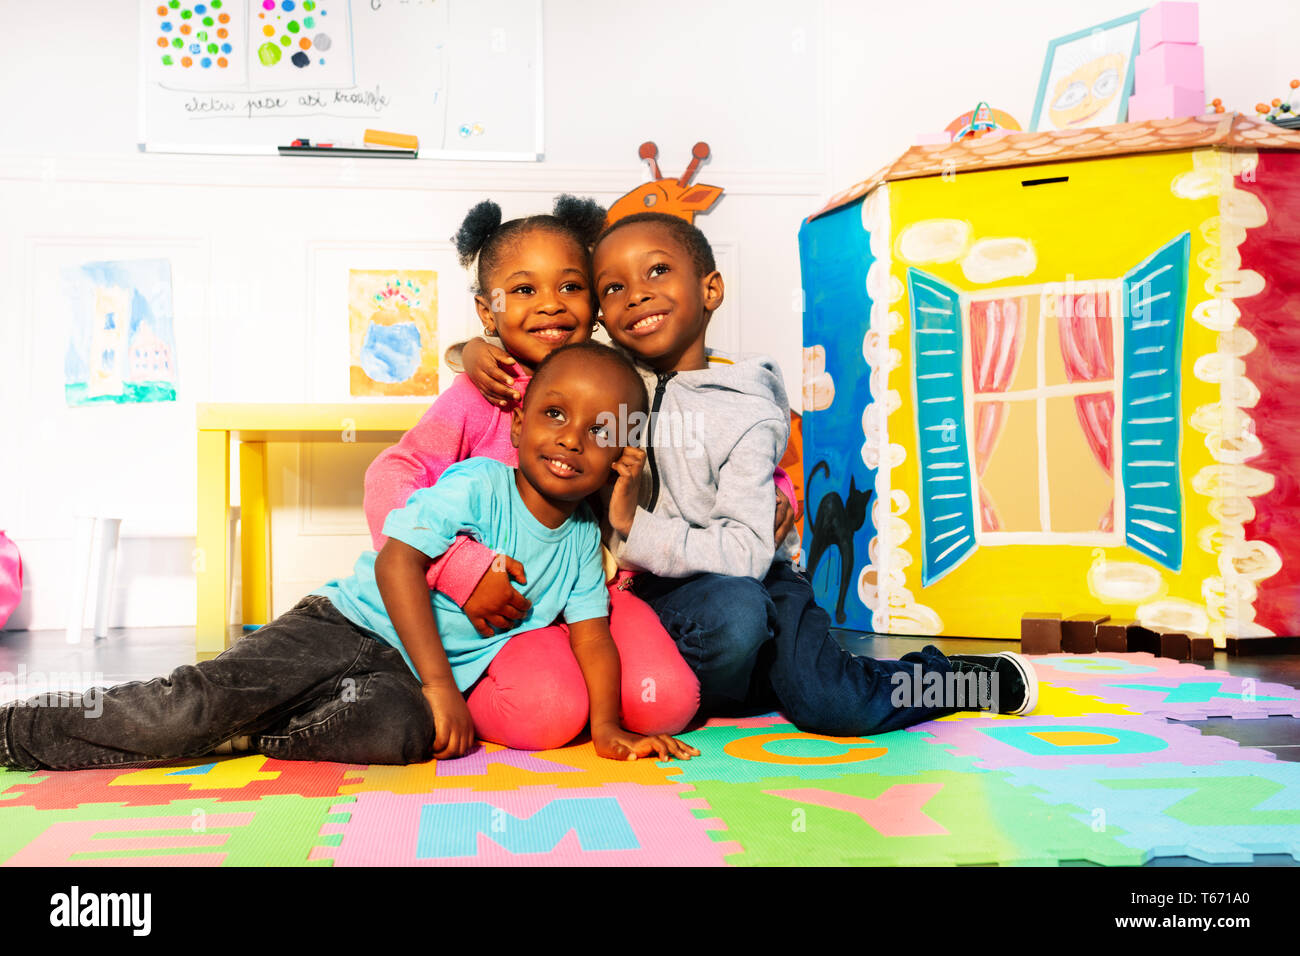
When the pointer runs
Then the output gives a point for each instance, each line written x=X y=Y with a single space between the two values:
x=1048 y=413
x=1043 y=389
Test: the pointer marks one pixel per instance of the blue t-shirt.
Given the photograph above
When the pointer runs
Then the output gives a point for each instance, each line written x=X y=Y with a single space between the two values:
x=478 y=497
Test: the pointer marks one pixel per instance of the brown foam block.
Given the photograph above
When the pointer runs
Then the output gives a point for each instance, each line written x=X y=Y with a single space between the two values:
x=1040 y=633
x=1112 y=636
x=1079 y=633
x=1202 y=648
x=1176 y=646
x=1249 y=646
x=1143 y=639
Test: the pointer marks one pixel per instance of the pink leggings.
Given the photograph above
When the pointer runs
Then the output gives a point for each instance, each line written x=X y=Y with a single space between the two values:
x=533 y=696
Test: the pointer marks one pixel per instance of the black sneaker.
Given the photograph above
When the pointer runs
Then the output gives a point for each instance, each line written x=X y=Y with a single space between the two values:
x=1014 y=682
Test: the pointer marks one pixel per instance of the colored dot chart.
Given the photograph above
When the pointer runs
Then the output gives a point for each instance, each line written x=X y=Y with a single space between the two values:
x=208 y=36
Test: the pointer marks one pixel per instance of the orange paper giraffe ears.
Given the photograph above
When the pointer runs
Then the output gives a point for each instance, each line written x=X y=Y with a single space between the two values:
x=676 y=197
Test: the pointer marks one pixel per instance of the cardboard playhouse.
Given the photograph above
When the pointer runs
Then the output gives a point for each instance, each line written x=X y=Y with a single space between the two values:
x=1066 y=366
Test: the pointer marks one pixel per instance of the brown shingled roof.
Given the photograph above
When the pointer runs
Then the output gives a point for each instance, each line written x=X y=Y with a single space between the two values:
x=1231 y=130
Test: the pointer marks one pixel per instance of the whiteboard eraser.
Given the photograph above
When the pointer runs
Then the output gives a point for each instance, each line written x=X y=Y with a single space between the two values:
x=377 y=137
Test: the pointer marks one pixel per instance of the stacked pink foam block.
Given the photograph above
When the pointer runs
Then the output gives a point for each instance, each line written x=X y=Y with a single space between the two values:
x=1169 y=75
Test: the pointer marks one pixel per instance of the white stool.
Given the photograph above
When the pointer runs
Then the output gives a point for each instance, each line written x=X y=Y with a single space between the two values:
x=94 y=542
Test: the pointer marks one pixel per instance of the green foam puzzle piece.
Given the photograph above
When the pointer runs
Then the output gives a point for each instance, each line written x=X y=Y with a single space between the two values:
x=272 y=831
x=931 y=818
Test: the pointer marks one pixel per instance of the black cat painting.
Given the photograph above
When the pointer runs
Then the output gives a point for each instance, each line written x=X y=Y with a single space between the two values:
x=834 y=525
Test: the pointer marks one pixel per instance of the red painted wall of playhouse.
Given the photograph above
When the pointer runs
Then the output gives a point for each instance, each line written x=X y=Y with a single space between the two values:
x=1273 y=317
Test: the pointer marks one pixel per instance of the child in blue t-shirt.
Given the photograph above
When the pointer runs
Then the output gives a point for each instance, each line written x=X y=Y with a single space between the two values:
x=371 y=668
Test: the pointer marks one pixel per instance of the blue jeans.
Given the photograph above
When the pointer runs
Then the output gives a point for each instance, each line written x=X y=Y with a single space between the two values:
x=310 y=685
x=760 y=645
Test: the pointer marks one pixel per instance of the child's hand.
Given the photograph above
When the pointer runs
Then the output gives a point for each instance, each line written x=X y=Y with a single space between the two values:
x=627 y=488
x=495 y=605
x=615 y=743
x=785 y=517
x=453 y=728
x=489 y=367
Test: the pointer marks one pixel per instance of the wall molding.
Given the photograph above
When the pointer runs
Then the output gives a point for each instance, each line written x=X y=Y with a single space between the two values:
x=276 y=172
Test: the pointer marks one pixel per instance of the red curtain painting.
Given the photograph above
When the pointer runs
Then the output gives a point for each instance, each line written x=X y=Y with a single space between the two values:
x=1084 y=323
x=997 y=330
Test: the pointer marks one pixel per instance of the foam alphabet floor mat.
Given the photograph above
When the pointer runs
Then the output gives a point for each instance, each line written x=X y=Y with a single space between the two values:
x=1103 y=772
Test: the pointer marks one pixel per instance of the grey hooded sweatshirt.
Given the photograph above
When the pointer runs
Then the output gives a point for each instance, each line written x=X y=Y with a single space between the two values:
x=707 y=499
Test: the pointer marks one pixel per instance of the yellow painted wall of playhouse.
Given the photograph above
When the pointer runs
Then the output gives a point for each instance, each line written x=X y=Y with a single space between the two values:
x=1111 y=215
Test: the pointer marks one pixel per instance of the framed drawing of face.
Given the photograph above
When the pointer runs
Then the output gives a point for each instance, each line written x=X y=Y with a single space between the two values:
x=1088 y=77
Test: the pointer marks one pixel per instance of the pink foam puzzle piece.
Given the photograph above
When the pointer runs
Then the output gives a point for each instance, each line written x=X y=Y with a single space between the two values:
x=475 y=763
x=65 y=842
x=1165 y=102
x=895 y=813
x=1168 y=22
x=1170 y=64
x=530 y=826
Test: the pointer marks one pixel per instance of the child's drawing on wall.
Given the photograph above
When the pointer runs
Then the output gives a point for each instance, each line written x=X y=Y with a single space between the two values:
x=121 y=346
x=1086 y=80
x=393 y=324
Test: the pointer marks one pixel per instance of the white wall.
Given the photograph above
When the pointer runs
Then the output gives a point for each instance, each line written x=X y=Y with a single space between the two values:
x=245 y=234
x=902 y=68
x=796 y=100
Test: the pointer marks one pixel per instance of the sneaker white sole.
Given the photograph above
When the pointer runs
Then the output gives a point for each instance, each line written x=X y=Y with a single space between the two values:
x=1031 y=682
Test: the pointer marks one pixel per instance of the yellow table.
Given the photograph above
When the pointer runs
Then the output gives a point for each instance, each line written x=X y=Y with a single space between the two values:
x=254 y=426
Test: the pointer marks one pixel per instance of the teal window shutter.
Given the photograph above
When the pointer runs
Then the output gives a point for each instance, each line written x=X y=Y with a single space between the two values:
x=947 y=489
x=1155 y=295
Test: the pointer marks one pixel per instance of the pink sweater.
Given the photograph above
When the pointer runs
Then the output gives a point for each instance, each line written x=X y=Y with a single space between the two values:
x=460 y=424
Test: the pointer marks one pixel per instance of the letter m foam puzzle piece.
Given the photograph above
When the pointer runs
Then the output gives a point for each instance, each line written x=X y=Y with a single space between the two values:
x=614 y=825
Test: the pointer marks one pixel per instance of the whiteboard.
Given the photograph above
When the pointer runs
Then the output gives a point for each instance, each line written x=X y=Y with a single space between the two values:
x=247 y=76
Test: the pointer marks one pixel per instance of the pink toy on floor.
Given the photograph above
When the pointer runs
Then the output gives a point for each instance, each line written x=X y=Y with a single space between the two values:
x=11 y=577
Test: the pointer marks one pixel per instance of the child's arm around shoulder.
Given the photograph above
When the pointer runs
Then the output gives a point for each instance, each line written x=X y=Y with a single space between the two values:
x=491 y=369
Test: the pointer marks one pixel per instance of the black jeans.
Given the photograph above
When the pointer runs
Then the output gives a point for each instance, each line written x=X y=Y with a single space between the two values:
x=310 y=685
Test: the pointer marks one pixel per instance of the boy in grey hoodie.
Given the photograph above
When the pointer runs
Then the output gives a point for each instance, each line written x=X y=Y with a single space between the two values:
x=743 y=618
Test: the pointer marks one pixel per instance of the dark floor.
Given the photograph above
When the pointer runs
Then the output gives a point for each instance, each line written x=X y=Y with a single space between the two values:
x=44 y=658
